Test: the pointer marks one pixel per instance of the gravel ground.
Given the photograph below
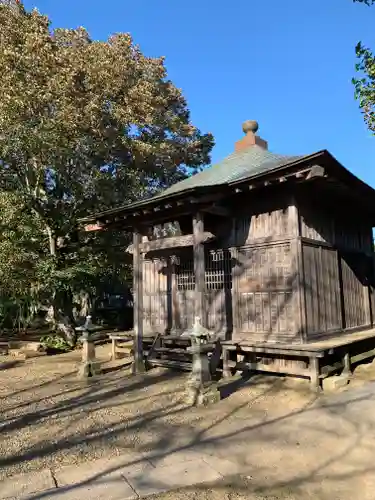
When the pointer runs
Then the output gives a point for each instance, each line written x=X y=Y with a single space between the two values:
x=49 y=419
x=237 y=488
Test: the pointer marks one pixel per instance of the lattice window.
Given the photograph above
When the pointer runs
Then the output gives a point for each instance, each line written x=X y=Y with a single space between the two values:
x=218 y=273
x=184 y=274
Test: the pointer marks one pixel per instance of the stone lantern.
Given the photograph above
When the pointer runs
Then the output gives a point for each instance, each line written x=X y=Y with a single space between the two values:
x=89 y=366
x=200 y=388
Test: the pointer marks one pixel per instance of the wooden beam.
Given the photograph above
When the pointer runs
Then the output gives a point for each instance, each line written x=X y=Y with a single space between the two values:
x=272 y=179
x=292 y=351
x=217 y=210
x=262 y=367
x=138 y=364
x=172 y=242
x=316 y=171
x=93 y=227
x=362 y=356
x=199 y=266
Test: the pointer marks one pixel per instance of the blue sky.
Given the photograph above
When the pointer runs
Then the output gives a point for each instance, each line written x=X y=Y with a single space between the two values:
x=287 y=64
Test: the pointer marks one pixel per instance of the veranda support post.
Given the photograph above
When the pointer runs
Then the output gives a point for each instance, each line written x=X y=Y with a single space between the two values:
x=199 y=266
x=138 y=364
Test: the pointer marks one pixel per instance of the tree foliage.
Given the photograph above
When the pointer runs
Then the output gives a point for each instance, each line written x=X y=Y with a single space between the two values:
x=85 y=125
x=364 y=83
x=366 y=2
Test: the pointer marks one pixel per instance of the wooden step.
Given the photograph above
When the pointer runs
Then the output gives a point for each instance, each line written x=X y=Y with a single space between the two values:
x=174 y=338
x=169 y=363
x=171 y=350
x=4 y=348
x=25 y=354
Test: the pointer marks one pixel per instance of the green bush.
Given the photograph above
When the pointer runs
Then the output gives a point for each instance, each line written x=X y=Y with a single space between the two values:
x=55 y=341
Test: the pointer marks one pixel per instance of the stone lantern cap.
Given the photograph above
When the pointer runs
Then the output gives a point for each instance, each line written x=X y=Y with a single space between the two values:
x=197 y=331
x=87 y=329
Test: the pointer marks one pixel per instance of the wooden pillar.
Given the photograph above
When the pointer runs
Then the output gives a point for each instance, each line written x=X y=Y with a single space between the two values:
x=295 y=229
x=138 y=364
x=347 y=371
x=199 y=266
x=315 y=381
x=226 y=359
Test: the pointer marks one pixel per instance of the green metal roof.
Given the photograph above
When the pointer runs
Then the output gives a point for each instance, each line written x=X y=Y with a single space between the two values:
x=240 y=165
x=237 y=166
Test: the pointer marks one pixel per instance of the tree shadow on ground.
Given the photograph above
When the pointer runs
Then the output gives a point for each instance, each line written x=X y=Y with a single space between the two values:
x=221 y=428
x=7 y=365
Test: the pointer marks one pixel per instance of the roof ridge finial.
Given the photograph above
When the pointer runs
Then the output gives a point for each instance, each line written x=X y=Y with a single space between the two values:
x=250 y=126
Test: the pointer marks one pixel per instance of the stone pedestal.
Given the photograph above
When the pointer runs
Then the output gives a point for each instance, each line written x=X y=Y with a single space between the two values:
x=138 y=366
x=89 y=366
x=200 y=388
x=336 y=382
x=202 y=395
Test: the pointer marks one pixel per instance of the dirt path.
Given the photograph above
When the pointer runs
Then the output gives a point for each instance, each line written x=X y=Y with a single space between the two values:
x=291 y=444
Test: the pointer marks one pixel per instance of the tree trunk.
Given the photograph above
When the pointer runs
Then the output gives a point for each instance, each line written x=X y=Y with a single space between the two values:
x=60 y=315
x=83 y=304
x=61 y=310
x=52 y=241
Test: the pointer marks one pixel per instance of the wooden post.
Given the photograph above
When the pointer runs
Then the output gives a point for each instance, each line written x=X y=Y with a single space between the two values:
x=226 y=358
x=299 y=289
x=235 y=293
x=347 y=371
x=114 y=350
x=298 y=269
x=315 y=381
x=199 y=266
x=138 y=364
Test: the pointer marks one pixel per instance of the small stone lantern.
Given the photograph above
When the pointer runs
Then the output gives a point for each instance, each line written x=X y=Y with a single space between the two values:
x=89 y=366
x=200 y=388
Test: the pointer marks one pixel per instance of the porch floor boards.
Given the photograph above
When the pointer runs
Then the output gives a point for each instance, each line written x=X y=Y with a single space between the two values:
x=333 y=341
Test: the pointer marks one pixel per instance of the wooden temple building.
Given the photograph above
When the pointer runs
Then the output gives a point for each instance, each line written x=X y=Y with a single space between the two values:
x=274 y=255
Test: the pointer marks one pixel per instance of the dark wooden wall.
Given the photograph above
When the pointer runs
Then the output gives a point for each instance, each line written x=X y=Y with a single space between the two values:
x=250 y=278
x=337 y=268
x=156 y=294
x=169 y=292
x=285 y=271
x=264 y=297
x=321 y=289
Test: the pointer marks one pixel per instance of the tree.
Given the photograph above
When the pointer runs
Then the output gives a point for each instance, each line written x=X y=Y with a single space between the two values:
x=19 y=253
x=84 y=125
x=365 y=82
